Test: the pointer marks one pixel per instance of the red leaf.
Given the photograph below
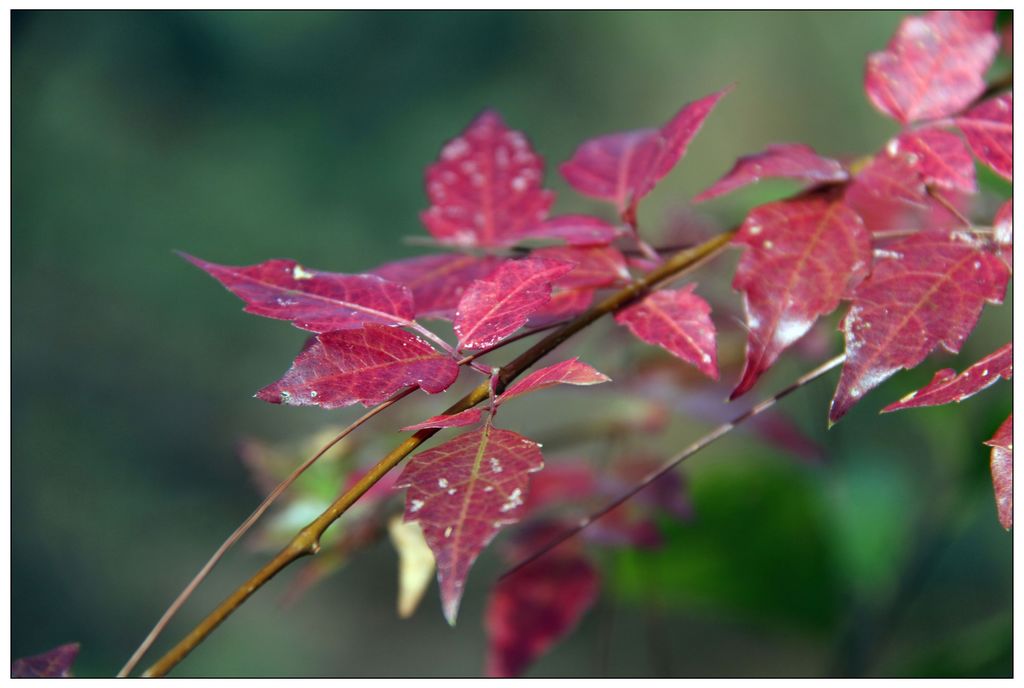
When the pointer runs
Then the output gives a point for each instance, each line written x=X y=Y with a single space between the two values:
x=988 y=127
x=535 y=607
x=947 y=387
x=1003 y=225
x=679 y=321
x=781 y=161
x=495 y=307
x=801 y=257
x=570 y=372
x=623 y=527
x=313 y=300
x=485 y=188
x=887 y=180
x=576 y=230
x=927 y=290
x=55 y=663
x=366 y=365
x=934 y=66
x=559 y=485
x=941 y=158
x=564 y=304
x=462 y=493
x=595 y=266
x=667 y=493
x=624 y=167
x=1002 y=471
x=889 y=193
x=438 y=282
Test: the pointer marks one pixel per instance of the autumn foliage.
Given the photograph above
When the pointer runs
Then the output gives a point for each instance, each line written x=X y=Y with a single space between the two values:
x=890 y=238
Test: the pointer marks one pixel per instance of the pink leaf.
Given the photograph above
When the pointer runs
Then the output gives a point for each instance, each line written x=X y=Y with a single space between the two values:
x=1002 y=471
x=890 y=193
x=988 y=127
x=576 y=230
x=941 y=158
x=781 y=161
x=667 y=493
x=926 y=290
x=624 y=527
x=887 y=180
x=624 y=167
x=438 y=282
x=313 y=300
x=535 y=607
x=55 y=663
x=366 y=365
x=455 y=420
x=947 y=387
x=934 y=66
x=570 y=372
x=495 y=307
x=485 y=188
x=595 y=266
x=801 y=257
x=679 y=321
x=559 y=485
x=462 y=493
x=564 y=304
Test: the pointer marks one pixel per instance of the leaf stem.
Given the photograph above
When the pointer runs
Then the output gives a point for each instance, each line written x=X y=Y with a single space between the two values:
x=307 y=541
x=945 y=203
x=686 y=453
x=448 y=348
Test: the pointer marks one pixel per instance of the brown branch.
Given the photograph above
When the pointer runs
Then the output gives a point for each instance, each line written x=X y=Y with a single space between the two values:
x=307 y=541
x=244 y=528
x=248 y=523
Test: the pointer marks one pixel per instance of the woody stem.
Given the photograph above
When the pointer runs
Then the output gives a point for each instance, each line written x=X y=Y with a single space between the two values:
x=307 y=541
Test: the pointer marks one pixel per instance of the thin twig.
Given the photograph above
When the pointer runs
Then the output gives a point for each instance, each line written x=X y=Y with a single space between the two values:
x=307 y=541
x=945 y=203
x=686 y=453
x=277 y=491
x=244 y=528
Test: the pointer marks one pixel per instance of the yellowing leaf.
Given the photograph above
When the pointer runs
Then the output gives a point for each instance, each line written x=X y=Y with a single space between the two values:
x=415 y=564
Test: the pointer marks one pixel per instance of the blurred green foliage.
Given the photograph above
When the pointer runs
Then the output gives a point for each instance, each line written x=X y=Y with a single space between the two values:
x=240 y=136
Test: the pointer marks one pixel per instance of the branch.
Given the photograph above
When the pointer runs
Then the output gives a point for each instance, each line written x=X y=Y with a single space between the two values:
x=244 y=528
x=307 y=541
x=686 y=453
x=250 y=521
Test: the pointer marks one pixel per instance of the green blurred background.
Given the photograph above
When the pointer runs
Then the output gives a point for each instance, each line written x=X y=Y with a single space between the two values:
x=244 y=136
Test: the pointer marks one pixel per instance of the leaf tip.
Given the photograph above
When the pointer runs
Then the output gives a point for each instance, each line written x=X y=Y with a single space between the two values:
x=272 y=395
x=198 y=262
x=746 y=382
x=450 y=607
